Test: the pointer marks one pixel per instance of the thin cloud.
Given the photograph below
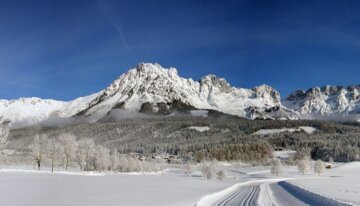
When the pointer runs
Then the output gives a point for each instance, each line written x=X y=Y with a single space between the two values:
x=106 y=9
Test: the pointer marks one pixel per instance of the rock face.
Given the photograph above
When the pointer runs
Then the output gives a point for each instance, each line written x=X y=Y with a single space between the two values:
x=328 y=102
x=150 y=88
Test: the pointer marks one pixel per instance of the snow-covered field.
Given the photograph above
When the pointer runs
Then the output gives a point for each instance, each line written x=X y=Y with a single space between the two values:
x=243 y=185
x=199 y=129
x=284 y=154
x=344 y=183
x=33 y=188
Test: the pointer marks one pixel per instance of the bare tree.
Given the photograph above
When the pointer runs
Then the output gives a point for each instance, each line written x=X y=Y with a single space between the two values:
x=209 y=168
x=303 y=166
x=162 y=161
x=86 y=154
x=132 y=164
x=188 y=169
x=54 y=152
x=206 y=170
x=220 y=174
x=129 y=164
x=4 y=134
x=38 y=147
x=102 y=158
x=114 y=160
x=319 y=167
x=69 y=144
x=81 y=158
x=276 y=167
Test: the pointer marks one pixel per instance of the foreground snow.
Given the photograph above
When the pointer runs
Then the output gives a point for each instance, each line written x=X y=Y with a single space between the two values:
x=33 y=188
x=90 y=173
x=291 y=189
x=344 y=185
x=244 y=185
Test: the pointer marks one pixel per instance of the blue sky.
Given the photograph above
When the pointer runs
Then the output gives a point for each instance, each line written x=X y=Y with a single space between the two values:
x=66 y=49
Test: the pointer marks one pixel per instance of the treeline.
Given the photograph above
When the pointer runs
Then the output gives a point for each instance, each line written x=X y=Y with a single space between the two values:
x=337 y=147
x=229 y=138
x=66 y=149
x=246 y=152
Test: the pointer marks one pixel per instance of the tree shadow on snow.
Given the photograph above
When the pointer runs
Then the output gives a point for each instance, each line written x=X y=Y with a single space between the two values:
x=309 y=197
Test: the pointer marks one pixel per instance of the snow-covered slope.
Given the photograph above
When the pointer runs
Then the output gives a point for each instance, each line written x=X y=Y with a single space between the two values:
x=328 y=102
x=28 y=110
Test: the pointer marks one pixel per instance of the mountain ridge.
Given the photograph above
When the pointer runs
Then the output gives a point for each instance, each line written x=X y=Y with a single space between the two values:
x=150 y=88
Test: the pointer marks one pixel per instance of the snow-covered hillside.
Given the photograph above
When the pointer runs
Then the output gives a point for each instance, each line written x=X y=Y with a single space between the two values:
x=150 y=88
x=28 y=110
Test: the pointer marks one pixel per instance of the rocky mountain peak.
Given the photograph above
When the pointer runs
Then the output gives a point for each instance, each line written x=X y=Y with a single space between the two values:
x=352 y=88
x=148 y=67
x=155 y=70
x=214 y=81
x=331 y=90
x=265 y=91
x=298 y=94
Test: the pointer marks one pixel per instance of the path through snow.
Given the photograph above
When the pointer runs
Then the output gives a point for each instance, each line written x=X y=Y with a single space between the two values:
x=267 y=193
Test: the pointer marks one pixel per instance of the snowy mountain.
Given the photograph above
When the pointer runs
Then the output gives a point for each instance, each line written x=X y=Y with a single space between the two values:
x=328 y=102
x=150 y=88
x=28 y=110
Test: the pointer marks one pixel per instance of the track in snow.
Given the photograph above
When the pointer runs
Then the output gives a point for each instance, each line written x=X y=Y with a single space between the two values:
x=246 y=196
x=283 y=197
x=284 y=194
